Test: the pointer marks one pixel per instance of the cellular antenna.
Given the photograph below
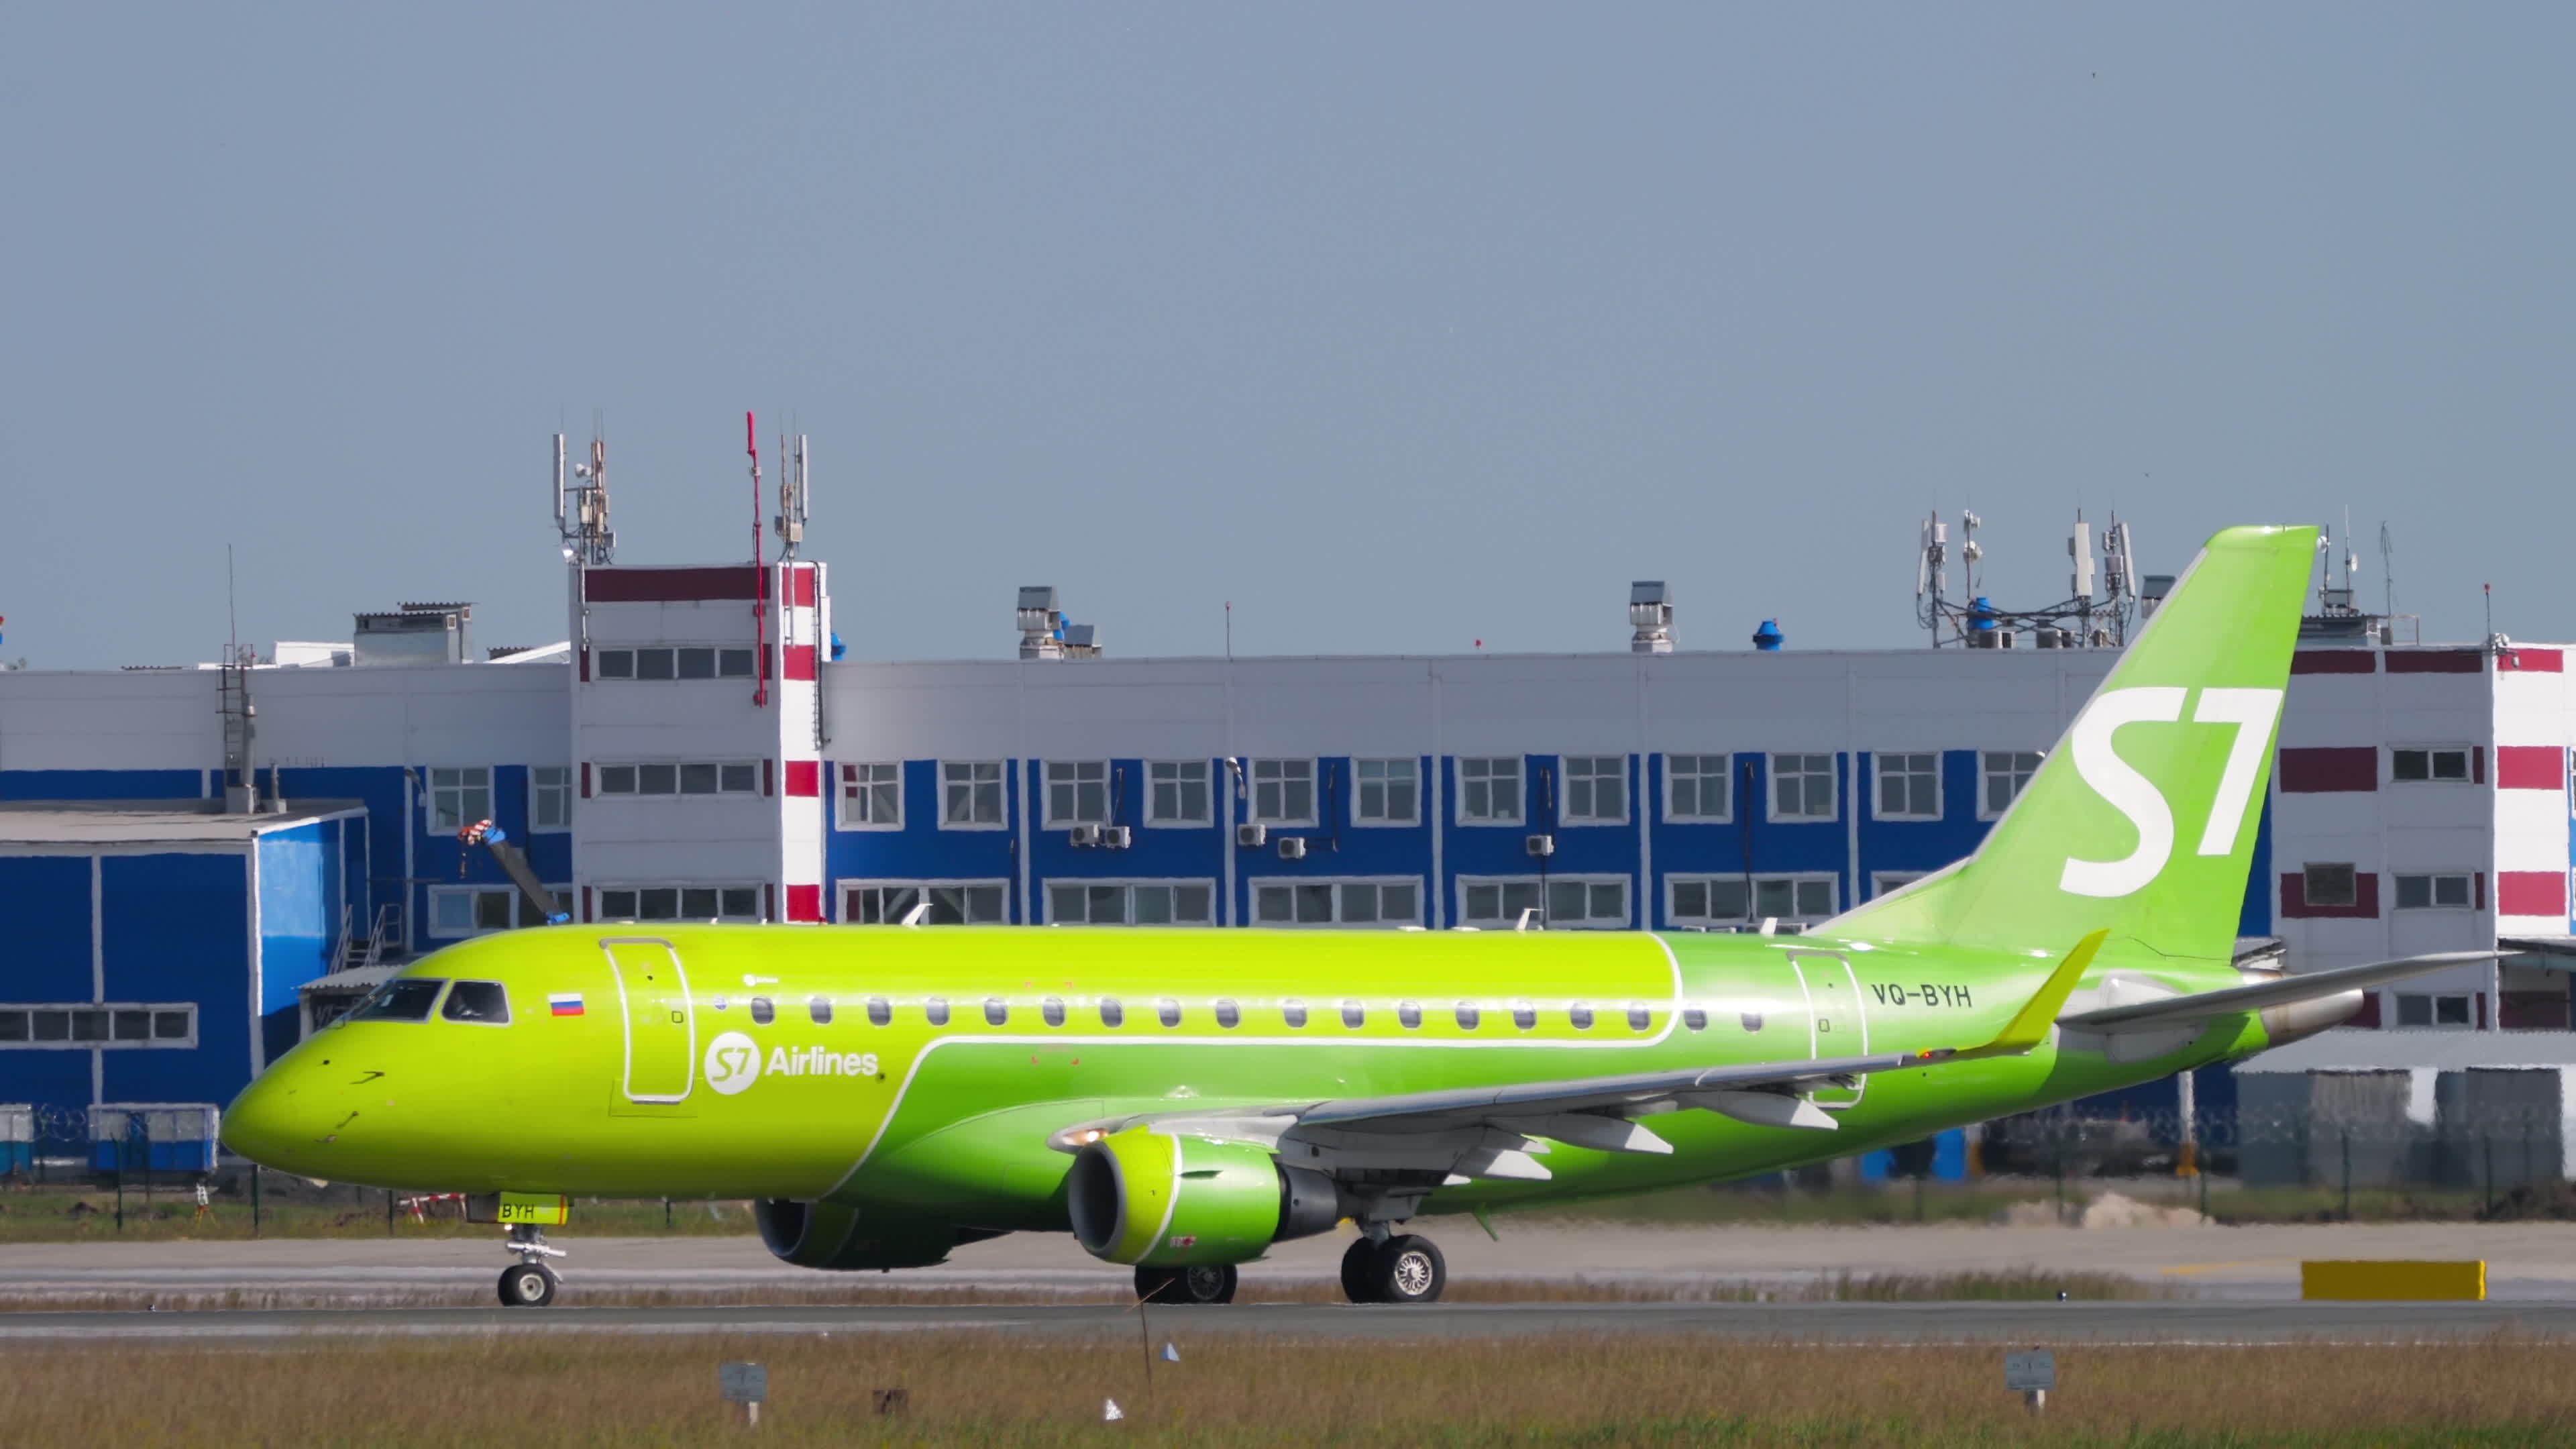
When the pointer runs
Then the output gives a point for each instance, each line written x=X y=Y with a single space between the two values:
x=790 y=521
x=581 y=504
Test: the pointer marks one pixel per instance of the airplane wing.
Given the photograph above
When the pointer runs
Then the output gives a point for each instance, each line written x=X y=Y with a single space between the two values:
x=2201 y=1006
x=1500 y=1131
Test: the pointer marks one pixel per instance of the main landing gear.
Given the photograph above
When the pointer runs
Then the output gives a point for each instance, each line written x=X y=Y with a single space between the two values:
x=1205 y=1283
x=1398 y=1268
x=529 y=1283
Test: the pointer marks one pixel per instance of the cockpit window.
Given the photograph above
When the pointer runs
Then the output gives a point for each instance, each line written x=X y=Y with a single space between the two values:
x=483 y=1002
x=407 y=998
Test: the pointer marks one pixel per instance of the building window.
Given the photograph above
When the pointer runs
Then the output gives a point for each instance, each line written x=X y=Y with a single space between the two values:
x=1695 y=787
x=971 y=792
x=1176 y=792
x=1390 y=792
x=1131 y=903
x=86 y=1024
x=1378 y=903
x=1596 y=790
x=2417 y=1009
x=2437 y=764
x=1885 y=881
x=1909 y=787
x=1802 y=787
x=1077 y=793
x=1563 y=902
x=459 y=796
x=550 y=797
x=2445 y=892
x=675 y=662
x=2330 y=884
x=872 y=796
x=1723 y=900
x=2004 y=773
x=952 y=903
x=1283 y=792
x=1489 y=791
x=459 y=911
x=679 y=903
x=692 y=777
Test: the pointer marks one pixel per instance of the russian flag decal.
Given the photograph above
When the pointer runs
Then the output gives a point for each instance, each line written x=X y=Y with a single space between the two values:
x=565 y=1003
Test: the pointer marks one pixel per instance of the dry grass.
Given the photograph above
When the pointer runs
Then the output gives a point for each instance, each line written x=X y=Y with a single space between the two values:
x=2014 y=1285
x=991 y=1389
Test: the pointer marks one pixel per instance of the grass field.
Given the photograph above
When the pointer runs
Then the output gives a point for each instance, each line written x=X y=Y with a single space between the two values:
x=991 y=1390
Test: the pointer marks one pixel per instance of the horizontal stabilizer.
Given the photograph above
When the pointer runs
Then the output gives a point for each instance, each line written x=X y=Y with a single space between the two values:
x=2180 y=1010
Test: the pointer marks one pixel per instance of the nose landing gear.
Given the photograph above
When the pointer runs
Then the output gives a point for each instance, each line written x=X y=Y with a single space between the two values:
x=529 y=1283
x=1399 y=1268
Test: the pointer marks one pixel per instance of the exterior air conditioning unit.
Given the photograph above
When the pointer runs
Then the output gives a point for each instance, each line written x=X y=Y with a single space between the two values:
x=1291 y=847
x=1252 y=837
x=1116 y=837
x=1084 y=835
x=1541 y=845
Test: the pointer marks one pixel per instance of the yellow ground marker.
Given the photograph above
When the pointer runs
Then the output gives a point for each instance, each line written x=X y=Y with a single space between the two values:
x=2394 y=1279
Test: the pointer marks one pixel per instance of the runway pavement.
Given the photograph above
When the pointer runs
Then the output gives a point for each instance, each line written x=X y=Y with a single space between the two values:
x=1883 y=1324
x=2531 y=1262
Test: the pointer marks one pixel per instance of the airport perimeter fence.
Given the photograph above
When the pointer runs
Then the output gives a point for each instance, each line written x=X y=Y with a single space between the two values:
x=2447 y=1157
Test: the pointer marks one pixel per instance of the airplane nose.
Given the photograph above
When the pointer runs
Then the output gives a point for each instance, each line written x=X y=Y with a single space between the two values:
x=274 y=1122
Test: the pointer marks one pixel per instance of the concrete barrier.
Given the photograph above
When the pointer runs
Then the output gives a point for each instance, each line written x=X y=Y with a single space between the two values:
x=2394 y=1279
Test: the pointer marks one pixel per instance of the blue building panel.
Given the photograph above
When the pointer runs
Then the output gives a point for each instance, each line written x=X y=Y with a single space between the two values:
x=48 y=957
x=923 y=849
x=299 y=921
x=176 y=927
x=102 y=784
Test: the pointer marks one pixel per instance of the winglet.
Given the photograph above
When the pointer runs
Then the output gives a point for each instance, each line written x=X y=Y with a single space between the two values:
x=2029 y=1026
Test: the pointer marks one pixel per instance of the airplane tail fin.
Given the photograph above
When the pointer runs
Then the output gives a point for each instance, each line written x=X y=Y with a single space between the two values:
x=2142 y=819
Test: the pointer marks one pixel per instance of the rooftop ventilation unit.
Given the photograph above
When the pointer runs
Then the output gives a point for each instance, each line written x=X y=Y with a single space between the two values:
x=414 y=634
x=1650 y=613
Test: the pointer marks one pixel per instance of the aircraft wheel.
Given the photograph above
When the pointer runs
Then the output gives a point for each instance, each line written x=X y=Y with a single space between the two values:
x=1205 y=1283
x=1359 y=1272
x=1409 y=1270
x=528 y=1285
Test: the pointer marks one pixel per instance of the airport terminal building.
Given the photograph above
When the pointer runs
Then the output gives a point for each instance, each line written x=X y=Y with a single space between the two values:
x=252 y=846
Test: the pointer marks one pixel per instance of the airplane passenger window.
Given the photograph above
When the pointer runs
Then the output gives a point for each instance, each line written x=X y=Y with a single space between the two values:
x=1053 y=1010
x=1524 y=1015
x=880 y=1011
x=1579 y=1013
x=1111 y=1013
x=820 y=1008
x=763 y=1011
x=485 y=1002
x=1695 y=1018
x=1639 y=1018
x=1469 y=1018
x=1227 y=1015
x=1293 y=1013
x=1408 y=1014
x=1169 y=1010
x=405 y=999
x=997 y=1012
x=936 y=1008
x=1354 y=1015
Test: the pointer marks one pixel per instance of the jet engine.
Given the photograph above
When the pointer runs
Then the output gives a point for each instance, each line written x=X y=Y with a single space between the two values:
x=838 y=1236
x=1159 y=1200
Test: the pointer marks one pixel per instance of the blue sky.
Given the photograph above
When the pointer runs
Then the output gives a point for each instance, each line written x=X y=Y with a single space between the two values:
x=1400 y=327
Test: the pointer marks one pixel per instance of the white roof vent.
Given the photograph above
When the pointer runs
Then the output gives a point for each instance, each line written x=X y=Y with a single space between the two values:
x=1650 y=613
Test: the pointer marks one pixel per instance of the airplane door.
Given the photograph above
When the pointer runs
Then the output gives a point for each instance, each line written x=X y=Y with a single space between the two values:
x=1838 y=1025
x=660 y=1026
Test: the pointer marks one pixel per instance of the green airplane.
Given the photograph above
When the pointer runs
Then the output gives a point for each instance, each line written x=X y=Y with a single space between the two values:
x=1180 y=1100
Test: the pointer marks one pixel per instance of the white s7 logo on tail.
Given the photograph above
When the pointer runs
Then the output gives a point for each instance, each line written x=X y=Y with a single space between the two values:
x=2098 y=763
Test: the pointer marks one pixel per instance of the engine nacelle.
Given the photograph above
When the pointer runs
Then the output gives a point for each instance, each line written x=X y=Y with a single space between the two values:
x=1158 y=1200
x=837 y=1236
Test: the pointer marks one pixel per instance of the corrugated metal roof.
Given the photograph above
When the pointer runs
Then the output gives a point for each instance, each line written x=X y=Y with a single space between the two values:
x=120 y=822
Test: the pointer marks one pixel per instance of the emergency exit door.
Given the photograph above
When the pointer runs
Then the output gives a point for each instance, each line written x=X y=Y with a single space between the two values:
x=660 y=1026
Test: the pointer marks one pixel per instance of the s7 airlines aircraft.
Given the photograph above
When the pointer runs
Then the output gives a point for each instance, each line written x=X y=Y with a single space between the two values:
x=1180 y=1100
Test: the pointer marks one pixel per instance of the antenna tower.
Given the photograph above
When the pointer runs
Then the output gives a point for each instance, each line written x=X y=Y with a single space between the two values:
x=581 y=504
x=2098 y=613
